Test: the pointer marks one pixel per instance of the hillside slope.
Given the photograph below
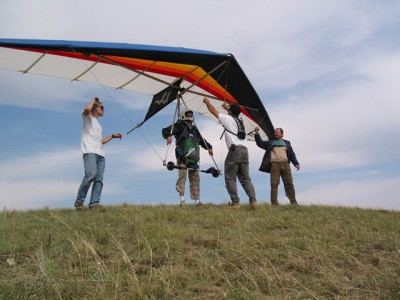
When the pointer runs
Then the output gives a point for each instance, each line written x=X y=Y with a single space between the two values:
x=207 y=252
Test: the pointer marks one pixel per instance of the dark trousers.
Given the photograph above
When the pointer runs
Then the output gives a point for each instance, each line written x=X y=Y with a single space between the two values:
x=237 y=165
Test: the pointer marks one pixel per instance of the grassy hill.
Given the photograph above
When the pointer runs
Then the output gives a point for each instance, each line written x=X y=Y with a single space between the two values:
x=206 y=252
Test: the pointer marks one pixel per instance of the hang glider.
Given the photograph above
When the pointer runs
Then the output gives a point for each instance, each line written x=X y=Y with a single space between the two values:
x=164 y=72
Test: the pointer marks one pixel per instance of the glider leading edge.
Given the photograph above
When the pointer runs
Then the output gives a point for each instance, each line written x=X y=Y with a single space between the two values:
x=167 y=73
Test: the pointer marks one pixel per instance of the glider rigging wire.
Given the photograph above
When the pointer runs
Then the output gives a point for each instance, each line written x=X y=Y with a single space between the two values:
x=89 y=69
x=179 y=98
x=170 y=165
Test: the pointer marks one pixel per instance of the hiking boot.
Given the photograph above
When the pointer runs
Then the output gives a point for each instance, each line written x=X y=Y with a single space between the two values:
x=79 y=205
x=199 y=203
x=96 y=207
x=182 y=203
x=253 y=205
x=294 y=202
x=234 y=206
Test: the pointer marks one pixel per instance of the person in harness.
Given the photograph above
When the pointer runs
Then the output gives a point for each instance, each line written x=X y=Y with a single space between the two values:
x=237 y=160
x=187 y=152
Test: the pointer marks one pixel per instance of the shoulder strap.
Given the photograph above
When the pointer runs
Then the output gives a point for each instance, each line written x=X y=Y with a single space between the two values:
x=183 y=126
x=240 y=127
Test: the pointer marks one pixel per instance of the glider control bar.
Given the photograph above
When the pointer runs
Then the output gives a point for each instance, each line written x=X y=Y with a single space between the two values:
x=213 y=171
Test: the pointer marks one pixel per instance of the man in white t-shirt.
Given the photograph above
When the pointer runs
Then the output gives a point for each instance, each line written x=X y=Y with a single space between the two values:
x=237 y=159
x=93 y=154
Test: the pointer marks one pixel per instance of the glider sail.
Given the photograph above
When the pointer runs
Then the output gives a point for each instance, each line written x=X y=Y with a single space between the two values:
x=164 y=72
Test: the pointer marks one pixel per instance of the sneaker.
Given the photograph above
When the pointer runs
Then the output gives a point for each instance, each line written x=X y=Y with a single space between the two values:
x=79 y=205
x=182 y=203
x=294 y=202
x=199 y=203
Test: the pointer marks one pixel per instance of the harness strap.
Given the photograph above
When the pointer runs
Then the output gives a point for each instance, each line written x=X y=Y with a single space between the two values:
x=238 y=123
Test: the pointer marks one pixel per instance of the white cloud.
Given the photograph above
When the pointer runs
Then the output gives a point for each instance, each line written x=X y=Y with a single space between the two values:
x=374 y=194
x=35 y=194
x=28 y=91
x=339 y=126
x=53 y=164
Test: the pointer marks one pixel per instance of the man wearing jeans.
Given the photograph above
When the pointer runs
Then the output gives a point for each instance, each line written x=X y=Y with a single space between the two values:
x=93 y=154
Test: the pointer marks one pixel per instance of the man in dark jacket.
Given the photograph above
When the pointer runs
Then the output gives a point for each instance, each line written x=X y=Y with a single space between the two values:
x=280 y=153
x=187 y=153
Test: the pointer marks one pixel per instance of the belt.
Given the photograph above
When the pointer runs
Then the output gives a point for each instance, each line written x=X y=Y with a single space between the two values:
x=234 y=146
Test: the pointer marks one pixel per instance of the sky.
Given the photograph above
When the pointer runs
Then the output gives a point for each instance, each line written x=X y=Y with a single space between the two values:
x=326 y=71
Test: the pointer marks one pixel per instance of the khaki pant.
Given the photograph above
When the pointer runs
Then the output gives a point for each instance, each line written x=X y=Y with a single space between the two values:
x=282 y=169
x=194 y=179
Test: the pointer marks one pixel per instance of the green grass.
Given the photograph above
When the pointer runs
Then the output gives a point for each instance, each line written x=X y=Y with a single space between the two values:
x=207 y=252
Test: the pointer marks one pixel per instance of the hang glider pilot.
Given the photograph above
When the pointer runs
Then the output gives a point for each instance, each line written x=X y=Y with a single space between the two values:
x=237 y=159
x=93 y=154
x=187 y=153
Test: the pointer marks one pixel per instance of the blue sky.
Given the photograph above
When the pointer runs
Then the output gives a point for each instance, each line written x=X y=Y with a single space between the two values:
x=326 y=71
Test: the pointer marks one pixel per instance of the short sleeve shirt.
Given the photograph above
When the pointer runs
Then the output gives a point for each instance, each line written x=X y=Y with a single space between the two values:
x=229 y=123
x=92 y=135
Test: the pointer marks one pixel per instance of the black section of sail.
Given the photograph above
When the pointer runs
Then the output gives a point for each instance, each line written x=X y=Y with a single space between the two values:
x=161 y=100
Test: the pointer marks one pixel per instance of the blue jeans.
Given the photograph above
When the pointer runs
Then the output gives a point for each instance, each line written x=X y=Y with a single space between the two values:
x=94 y=169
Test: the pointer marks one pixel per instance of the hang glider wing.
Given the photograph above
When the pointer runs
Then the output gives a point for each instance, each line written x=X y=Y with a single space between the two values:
x=153 y=70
